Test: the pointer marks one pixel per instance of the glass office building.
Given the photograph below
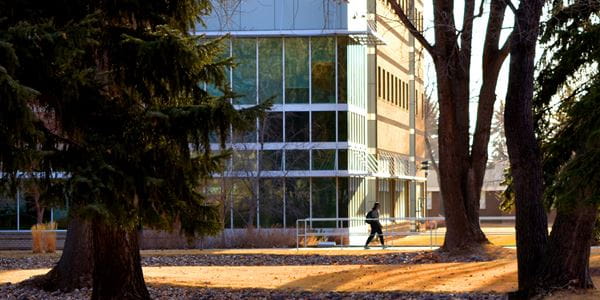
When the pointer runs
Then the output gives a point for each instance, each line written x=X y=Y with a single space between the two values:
x=338 y=137
x=346 y=125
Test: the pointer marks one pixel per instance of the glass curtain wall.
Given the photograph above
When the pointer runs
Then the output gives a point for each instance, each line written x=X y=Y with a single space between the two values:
x=8 y=213
x=270 y=69
x=280 y=201
x=271 y=203
x=312 y=68
x=244 y=73
x=296 y=70
x=297 y=200
x=20 y=212
x=324 y=200
x=289 y=70
x=244 y=202
x=323 y=69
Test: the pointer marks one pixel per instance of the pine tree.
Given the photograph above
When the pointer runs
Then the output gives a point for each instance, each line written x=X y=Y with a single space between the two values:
x=123 y=85
x=570 y=144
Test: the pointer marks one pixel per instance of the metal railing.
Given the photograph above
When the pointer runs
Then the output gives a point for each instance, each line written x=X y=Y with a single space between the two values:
x=393 y=229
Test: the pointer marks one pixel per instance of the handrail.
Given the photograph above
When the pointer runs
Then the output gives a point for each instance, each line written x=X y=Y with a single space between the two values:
x=415 y=223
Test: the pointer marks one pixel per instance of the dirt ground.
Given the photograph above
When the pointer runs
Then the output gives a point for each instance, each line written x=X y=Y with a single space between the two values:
x=492 y=276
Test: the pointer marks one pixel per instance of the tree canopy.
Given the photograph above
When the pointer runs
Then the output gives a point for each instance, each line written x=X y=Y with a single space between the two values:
x=114 y=94
x=568 y=91
x=118 y=88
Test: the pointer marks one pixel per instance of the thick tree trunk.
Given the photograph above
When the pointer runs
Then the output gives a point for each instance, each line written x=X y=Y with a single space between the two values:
x=462 y=167
x=118 y=270
x=462 y=232
x=74 y=269
x=523 y=148
x=567 y=259
x=39 y=209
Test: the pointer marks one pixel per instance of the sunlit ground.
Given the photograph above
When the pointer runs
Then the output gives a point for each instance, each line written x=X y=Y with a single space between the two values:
x=493 y=276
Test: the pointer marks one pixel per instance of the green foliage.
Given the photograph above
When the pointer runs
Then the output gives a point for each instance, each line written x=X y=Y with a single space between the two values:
x=114 y=92
x=569 y=87
x=507 y=204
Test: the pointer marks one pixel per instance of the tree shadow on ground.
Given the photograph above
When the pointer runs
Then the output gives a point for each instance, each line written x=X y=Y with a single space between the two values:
x=498 y=276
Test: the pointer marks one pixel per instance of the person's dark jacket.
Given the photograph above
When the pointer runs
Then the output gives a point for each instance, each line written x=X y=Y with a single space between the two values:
x=373 y=214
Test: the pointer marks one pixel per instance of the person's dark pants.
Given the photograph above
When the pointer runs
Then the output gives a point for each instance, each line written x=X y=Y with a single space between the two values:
x=375 y=228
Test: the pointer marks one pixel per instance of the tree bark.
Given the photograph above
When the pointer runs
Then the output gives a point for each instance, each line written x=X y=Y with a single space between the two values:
x=567 y=259
x=74 y=269
x=452 y=72
x=523 y=148
x=492 y=60
x=118 y=270
x=462 y=165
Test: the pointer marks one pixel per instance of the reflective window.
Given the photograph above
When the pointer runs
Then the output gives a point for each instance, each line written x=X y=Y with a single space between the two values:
x=244 y=73
x=343 y=197
x=343 y=201
x=297 y=160
x=28 y=214
x=296 y=70
x=323 y=126
x=272 y=128
x=244 y=160
x=8 y=212
x=323 y=69
x=297 y=200
x=342 y=159
x=342 y=63
x=271 y=202
x=296 y=126
x=270 y=64
x=213 y=137
x=271 y=160
x=342 y=126
x=323 y=159
x=245 y=136
x=324 y=200
x=244 y=203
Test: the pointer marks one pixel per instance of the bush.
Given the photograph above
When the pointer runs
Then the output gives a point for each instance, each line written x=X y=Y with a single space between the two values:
x=36 y=238
x=49 y=238
x=43 y=238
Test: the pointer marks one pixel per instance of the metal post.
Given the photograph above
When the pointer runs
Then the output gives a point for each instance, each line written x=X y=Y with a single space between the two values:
x=392 y=234
x=18 y=210
x=430 y=237
x=305 y=233
x=297 y=233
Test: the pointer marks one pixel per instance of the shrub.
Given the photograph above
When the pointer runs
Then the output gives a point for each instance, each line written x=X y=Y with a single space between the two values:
x=36 y=238
x=49 y=238
x=43 y=238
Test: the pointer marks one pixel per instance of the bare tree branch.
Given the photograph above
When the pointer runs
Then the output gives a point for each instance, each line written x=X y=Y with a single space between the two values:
x=411 y=27
x=505 y=49
x=466 y=35
x=511 y=6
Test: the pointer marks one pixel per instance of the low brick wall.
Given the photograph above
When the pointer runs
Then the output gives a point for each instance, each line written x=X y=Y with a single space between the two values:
x=229 y=238
x=155 y=239
x=22 y=240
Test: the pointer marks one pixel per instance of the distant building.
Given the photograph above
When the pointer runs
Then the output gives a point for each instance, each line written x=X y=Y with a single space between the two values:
x=489 y=201
x=346 y=128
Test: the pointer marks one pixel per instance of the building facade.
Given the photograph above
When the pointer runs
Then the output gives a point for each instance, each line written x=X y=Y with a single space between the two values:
x=489 y=200
x=346 y=127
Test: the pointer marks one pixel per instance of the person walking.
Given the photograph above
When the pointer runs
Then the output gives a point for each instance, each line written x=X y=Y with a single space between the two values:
x=373 y=220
